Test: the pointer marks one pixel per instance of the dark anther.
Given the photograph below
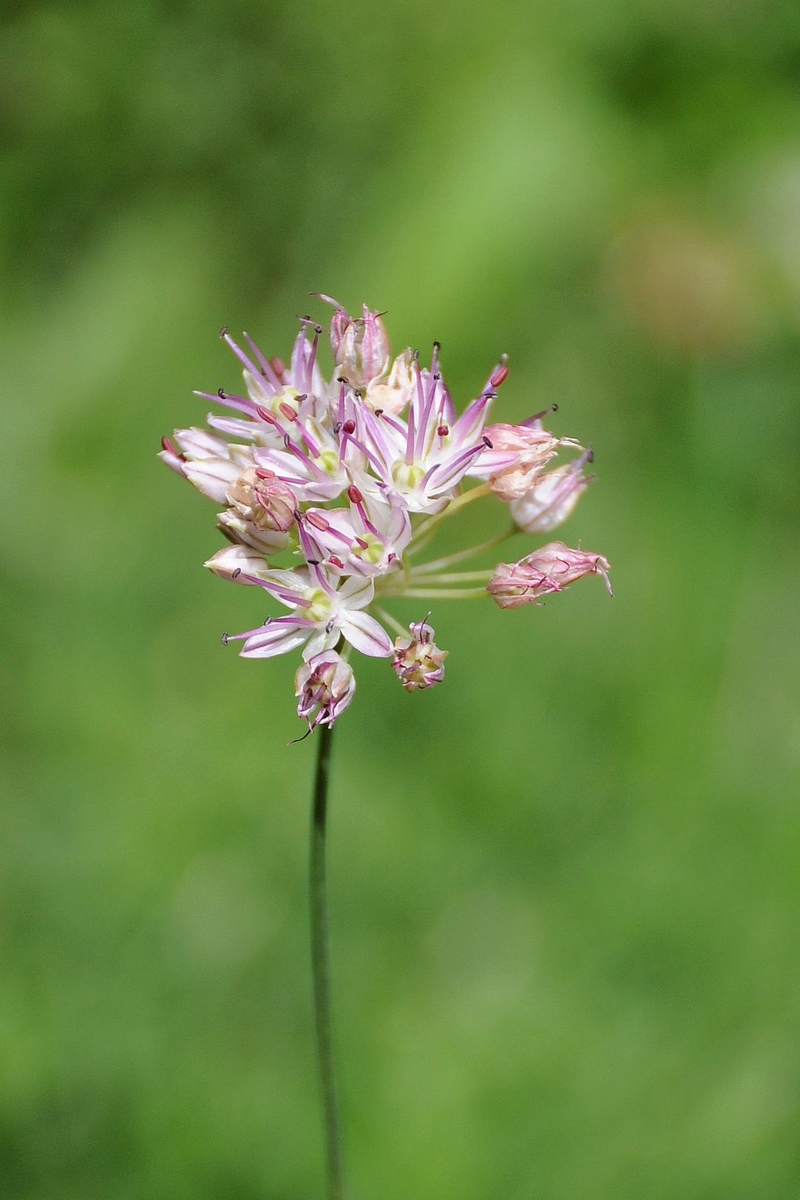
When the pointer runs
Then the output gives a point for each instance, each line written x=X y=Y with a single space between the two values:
x=337 y=427
x=330 y=625
x=313 y=562
x=349 y=426
x=318 y=329
x=223 y=395
x=301 y=398
x=287 y=441
x=438 y=375
x=489 y=445
x=342 y=379
x=298 y=515
x=224 y=639
x=437 y=347
x=224 y=331
x=553 y=408
x=378 y=412
x=236 y=573
x=590 y=455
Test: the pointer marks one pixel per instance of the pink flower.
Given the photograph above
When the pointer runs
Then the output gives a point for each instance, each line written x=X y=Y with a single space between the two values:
x=322 y=614
x=550 y=569
x=417 y=662
x=325 y=686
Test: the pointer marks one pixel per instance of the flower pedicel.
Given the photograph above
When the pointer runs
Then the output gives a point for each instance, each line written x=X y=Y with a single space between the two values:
x=347 y=480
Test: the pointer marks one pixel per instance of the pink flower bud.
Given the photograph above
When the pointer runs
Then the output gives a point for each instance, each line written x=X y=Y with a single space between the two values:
x=551 y=499
x=550 y=569
x=324 y=685
x=360 y=346
x=263 y=499
x=418 y=663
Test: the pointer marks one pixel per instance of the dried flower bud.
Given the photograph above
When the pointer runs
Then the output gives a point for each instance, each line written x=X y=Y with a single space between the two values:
x=549 y=569
x=551 y=499
x=324 y=685
x=516 y=457
x=418 y=662
x=260 y=497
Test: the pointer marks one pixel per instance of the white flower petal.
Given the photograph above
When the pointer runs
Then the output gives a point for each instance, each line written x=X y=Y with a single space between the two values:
x=366 y=634
x=279 y=637
x=213 y=477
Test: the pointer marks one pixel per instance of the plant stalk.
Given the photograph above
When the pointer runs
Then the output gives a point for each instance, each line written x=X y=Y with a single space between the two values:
x=320 y=967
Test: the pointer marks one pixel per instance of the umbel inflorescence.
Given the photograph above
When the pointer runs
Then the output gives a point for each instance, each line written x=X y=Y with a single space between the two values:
x=347 y=481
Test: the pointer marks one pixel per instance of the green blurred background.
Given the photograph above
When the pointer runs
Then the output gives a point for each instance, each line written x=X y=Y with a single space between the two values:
x=566 y=903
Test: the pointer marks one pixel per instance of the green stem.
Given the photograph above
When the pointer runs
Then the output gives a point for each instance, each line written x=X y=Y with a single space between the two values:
x=450 y=560
x=320 y=966
x=447 y=593
x=423 y=580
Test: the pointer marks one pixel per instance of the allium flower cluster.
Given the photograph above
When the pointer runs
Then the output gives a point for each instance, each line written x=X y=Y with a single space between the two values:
x=343 y=481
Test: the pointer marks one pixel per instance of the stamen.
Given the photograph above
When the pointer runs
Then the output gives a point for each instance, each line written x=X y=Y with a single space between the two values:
x=267 y=371
x=240 y=354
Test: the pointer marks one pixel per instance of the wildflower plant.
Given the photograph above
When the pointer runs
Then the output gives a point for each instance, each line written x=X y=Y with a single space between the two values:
x=330 y=491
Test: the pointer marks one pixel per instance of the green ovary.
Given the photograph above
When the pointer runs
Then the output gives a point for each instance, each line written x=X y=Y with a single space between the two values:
x=372 y=553
x=407 y=476
x=318 y=607
x=329 y=461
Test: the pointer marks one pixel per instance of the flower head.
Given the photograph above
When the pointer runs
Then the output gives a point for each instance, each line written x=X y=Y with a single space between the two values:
x=343 y=479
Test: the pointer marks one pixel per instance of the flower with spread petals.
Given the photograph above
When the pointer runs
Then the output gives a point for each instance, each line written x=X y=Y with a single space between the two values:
x=367 y=539
x=322 y=614
x=324 y=685
x=549 y=569
x=425 y=458
x=418 y=662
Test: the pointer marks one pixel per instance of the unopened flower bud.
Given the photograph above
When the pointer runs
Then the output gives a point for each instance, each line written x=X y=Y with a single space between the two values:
x=268 y=503
x=549 y=569
x=418 y=662
x=238 y=564
x=551 y=499
x=324 y=685
x=360 y=346
x=391 y=395
x=244 y=533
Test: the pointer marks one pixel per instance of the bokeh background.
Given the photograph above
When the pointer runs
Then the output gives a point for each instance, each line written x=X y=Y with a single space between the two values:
x=566 y=899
